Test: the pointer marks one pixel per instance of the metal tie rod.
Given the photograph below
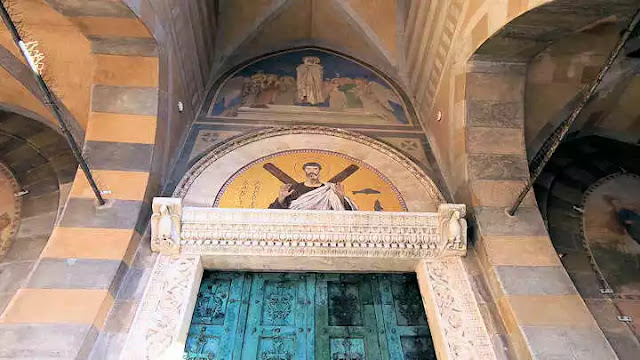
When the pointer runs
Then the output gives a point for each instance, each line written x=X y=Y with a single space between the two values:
x=554 y=140
x=50 y=100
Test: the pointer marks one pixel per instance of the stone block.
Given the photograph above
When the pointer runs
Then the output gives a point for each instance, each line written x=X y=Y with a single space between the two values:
x=499 y=114
x=499 y=193
x=108 y=127
x=606 y=314
x=25 y=249
x=125 y=100
x=125 y=46
x=124 y=185
x=14 y=275
x=626 y=345
x=545 y=310
x=46 y=306
x=78 y=274
x=587 y=284
x=520 y=250
x=88 y=243
x=101 y=8
x=134 y=284
x=565 y=343
x=121 y=316
x=496 y=87
x=46 y=341
x=116 y=214
x=136 y=71
x=498 y=167
x=108 y=346
x=489 y=140
x=102 y=155
x=36 y=205
x=535 y=280
x=40 y=225
x=494 y=221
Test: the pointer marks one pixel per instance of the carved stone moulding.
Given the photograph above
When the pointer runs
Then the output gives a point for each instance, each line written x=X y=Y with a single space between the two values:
x=216 y=231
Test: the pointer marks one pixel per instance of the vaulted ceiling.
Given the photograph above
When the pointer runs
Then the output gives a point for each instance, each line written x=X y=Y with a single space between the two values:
x=370 y=30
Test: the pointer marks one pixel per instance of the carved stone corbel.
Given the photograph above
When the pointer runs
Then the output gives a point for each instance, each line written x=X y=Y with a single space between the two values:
x=166 y=225
x=453 y=228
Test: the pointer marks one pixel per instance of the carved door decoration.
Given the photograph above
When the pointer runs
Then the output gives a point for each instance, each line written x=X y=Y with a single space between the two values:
x=280 y=321
x=303 y=316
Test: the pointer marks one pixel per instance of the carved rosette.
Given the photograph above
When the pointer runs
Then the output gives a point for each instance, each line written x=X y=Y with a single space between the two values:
x=158 y=330
x=459 y=318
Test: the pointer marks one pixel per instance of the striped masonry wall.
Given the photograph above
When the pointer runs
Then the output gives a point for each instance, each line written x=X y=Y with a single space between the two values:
x=542 y=312
x=71 y=290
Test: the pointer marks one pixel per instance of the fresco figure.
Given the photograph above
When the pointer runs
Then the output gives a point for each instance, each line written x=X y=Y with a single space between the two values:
x=286 y=95
x=628 y=218
x=313 y=194
x=310 y=81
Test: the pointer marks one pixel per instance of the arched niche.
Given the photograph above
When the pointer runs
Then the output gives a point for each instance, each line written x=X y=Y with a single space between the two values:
x=211 y=176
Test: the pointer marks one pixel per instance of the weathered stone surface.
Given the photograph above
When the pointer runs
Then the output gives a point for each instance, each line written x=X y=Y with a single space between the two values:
x=519 y=250
x=535 y=280
x=78 y=274
x=626 y=345
x=26 y=248
x=13 y=275
x=103 y=155
x=134 y=283
x=566 y=343
x=36 y=205
x=119 y=214
x=120 y=317
x=489 y=113
x=495 y=221
x=488 y=140
x=40 y=225
x=125 y=99
x=499 y=193
x=123 y=46
x=497 y=167
x=495 y=87
x=108 y=346
x=54 y=341
x=91 y=8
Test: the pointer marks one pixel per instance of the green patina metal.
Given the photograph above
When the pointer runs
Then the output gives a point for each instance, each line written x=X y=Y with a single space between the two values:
x=296 y=316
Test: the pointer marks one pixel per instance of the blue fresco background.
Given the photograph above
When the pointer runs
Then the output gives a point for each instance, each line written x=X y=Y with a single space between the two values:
x=334 y=67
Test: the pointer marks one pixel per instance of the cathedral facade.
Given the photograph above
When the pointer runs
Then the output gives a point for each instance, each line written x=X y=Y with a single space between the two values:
x=311 y=179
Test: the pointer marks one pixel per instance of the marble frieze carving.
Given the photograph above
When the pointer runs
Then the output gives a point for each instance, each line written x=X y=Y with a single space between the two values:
x=216 y=231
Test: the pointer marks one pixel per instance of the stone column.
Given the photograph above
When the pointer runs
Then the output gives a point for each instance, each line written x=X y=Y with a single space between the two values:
x=162 y=321
x=455 y=321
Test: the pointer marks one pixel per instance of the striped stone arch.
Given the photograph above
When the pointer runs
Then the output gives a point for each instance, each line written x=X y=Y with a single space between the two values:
x=548 y=309
x=66 y=299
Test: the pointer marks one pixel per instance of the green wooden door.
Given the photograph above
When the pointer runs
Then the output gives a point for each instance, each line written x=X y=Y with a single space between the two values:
x=280 y=321
x=305 y=316
x=346 y=320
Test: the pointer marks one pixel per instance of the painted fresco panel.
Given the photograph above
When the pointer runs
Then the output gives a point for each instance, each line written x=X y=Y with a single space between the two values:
x=309 y=84
x=258 y=184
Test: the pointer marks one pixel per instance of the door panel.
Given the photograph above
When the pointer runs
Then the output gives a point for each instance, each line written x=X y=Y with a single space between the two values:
x=215 y=323
x=305 y=316
x=346 y=320
x=280 y=318
x=408 y=335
